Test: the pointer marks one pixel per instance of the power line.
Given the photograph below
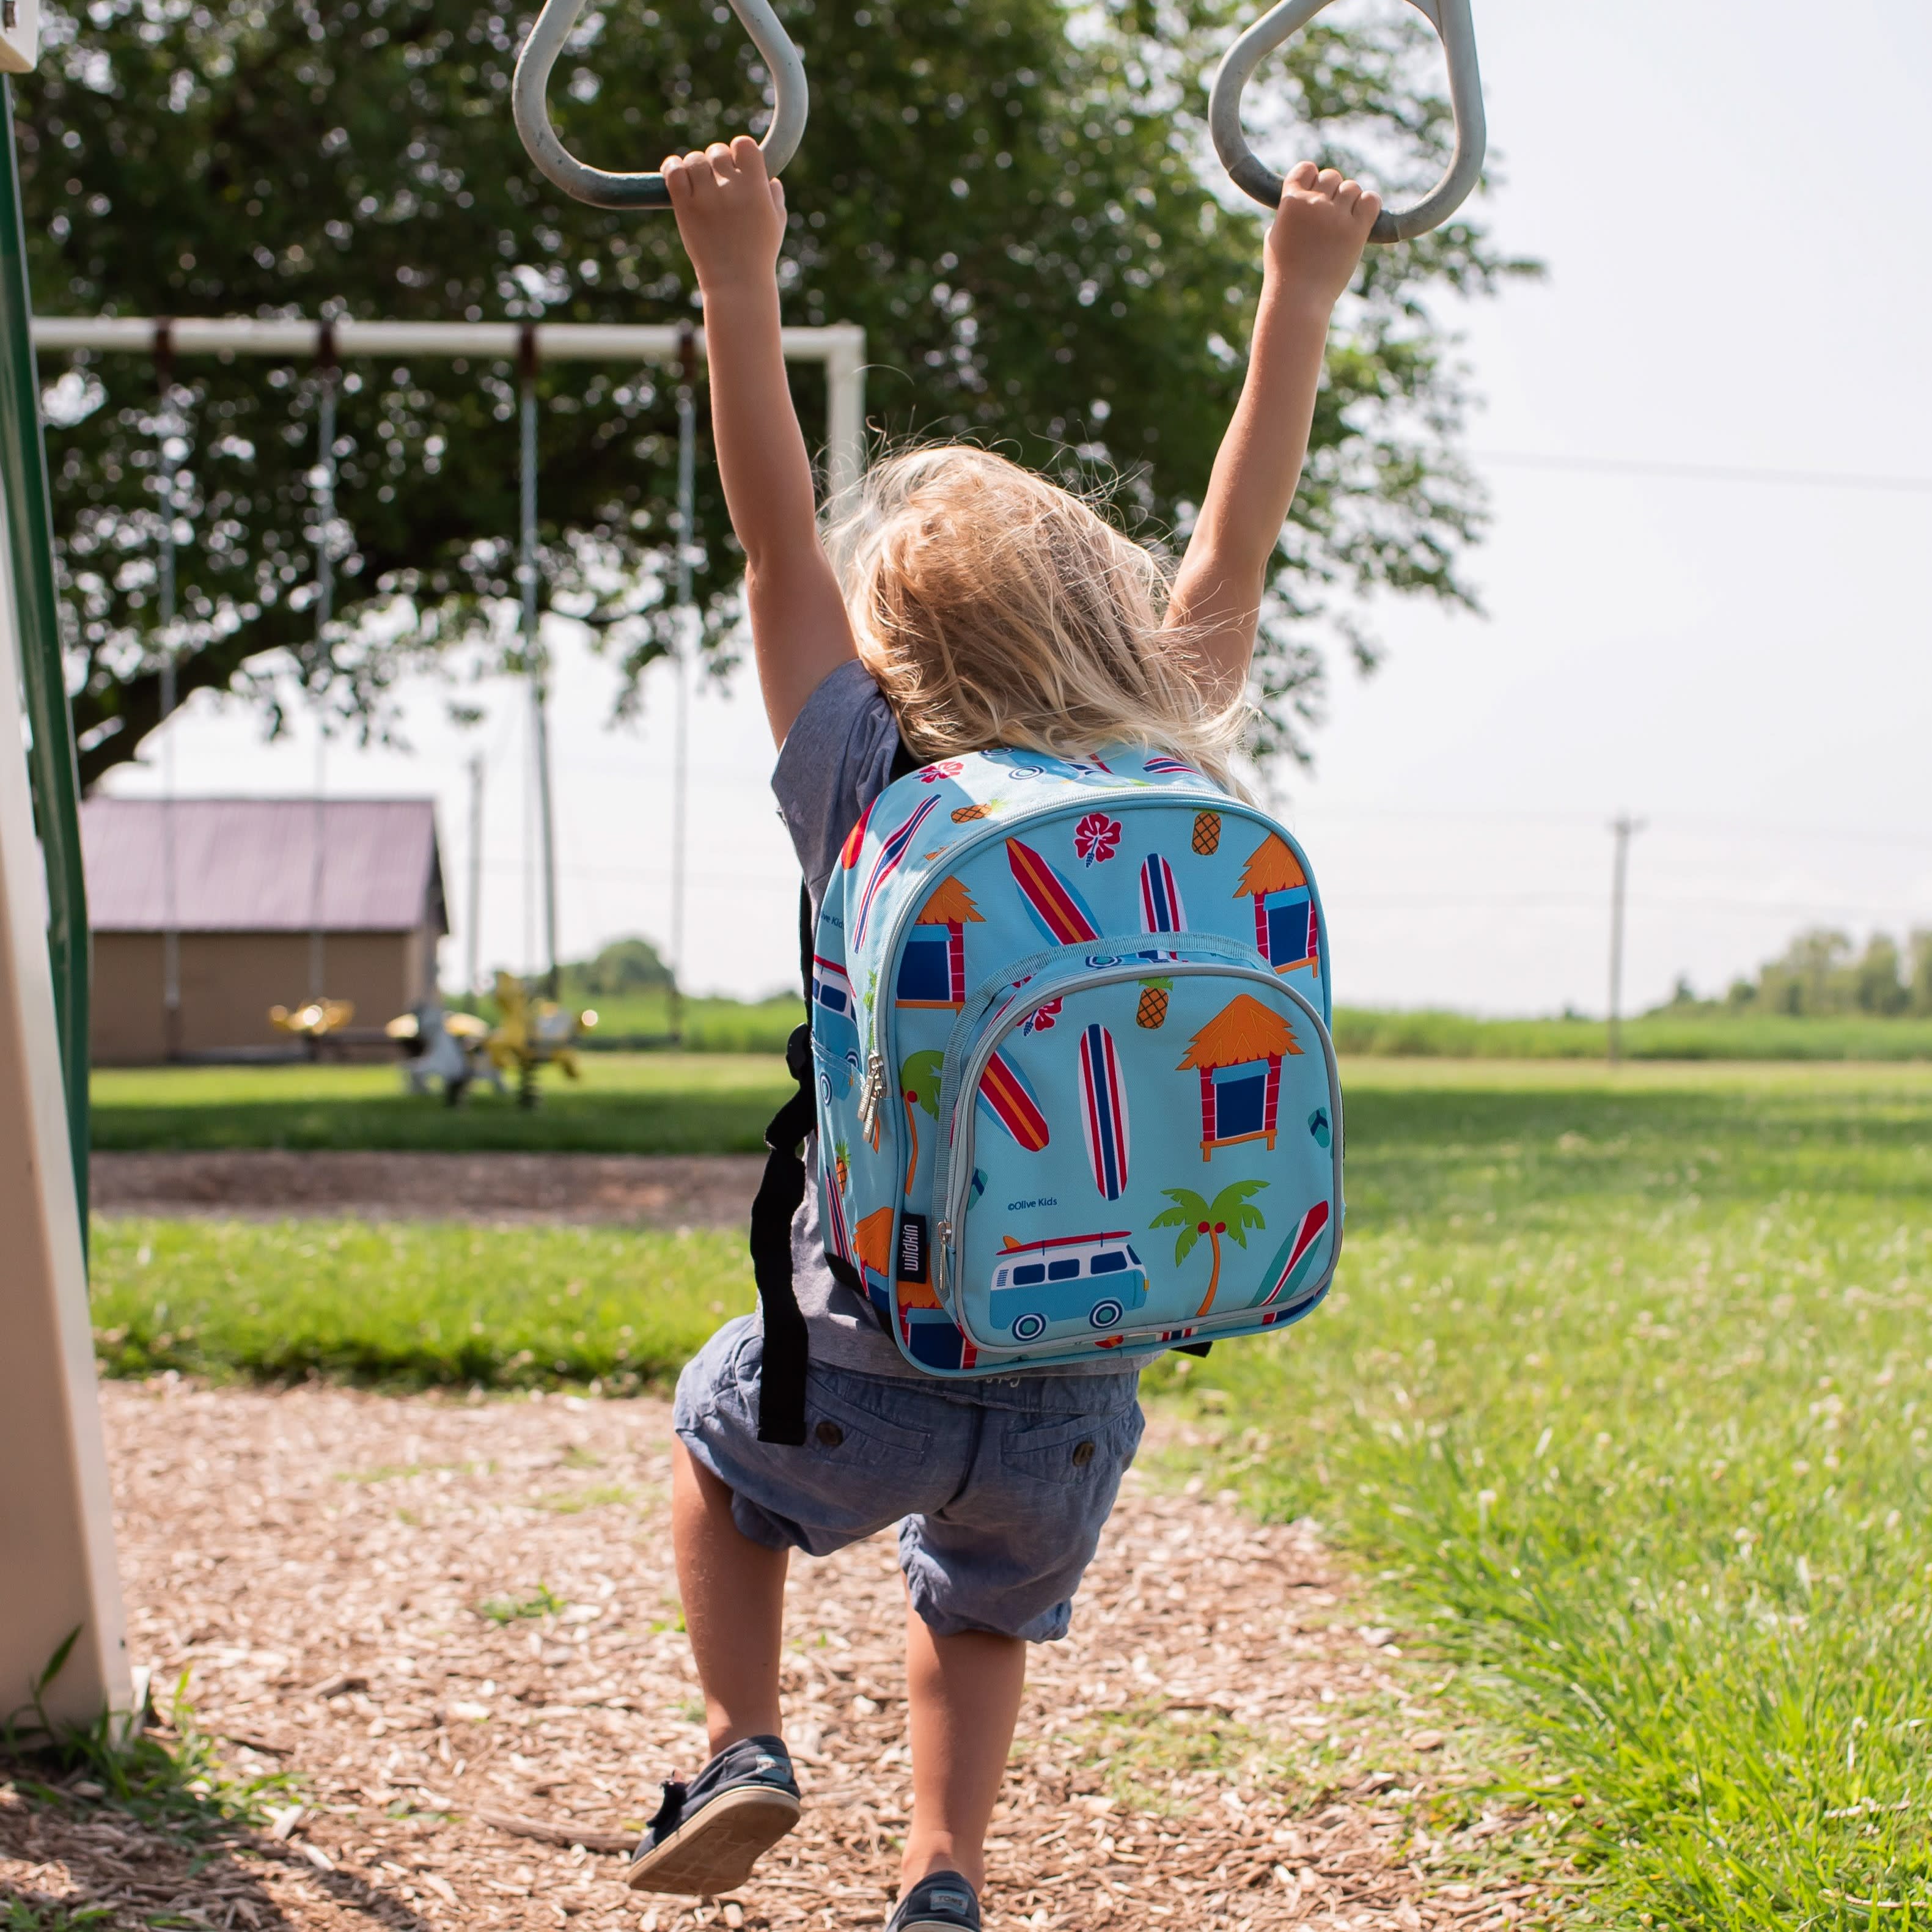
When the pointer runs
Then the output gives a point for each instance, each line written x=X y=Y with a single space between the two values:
x=1705 y=472
x=1347 y=903
x=1312 y=811
x=1624 y=828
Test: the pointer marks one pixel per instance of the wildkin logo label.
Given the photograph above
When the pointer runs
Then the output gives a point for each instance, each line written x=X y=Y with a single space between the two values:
x=912 y=1247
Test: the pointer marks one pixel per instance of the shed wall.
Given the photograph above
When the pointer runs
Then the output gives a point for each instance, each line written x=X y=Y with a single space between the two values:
x=229 y=981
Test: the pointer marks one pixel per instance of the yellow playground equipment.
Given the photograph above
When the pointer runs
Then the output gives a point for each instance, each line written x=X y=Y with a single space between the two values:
x=315 y=1021
x=532 y=1034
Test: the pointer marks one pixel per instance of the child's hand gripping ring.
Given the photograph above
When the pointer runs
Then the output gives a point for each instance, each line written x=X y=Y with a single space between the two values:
x=531 y=111
x=1450 y=19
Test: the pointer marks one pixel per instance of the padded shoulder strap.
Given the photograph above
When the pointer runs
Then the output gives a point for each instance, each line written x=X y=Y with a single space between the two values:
x=787 y=1351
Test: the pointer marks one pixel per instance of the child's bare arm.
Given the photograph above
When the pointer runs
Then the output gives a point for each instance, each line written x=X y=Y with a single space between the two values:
x=731 y=216
x=1312 y=249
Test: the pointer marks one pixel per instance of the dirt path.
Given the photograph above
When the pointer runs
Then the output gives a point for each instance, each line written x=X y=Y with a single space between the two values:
x=328 y=1565
x=651 y=1190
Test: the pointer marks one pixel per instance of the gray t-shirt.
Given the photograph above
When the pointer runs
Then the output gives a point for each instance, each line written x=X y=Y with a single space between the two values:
x=837 y=758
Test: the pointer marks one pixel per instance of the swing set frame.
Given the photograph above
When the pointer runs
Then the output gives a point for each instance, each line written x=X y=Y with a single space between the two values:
x=55 y=1510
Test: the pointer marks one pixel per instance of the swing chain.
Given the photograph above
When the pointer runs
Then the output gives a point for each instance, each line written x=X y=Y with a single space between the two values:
x=1456 y=30
x=531 y=111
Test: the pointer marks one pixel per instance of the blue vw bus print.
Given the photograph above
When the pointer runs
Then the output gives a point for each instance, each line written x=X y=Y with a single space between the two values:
x=1096 y=1280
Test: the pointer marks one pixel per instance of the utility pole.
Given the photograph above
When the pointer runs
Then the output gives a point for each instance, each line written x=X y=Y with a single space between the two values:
x=1623 y=828
x=473 y=969
x=686 y=649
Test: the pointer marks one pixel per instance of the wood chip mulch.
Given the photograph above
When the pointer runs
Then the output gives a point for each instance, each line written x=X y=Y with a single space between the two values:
x=454 y=1626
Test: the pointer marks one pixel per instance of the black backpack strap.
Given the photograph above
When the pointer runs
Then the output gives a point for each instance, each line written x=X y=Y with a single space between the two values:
x=781 y=1379
x=787 y=1351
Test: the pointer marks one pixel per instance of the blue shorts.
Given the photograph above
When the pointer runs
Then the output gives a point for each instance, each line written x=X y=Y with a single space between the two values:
x=1000 y=1488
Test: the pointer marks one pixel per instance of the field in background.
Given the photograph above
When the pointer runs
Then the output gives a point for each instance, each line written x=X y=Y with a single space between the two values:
x=1664 y=1036
x=724 y=1026
x=625 y=1103
x=709 y=1025
x=1624 y=1395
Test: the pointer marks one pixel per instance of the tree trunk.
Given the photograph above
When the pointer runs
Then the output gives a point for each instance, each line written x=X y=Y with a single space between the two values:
x=1214 y=1277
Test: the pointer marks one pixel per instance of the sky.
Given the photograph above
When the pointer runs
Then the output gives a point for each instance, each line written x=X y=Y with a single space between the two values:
x=1726 y=196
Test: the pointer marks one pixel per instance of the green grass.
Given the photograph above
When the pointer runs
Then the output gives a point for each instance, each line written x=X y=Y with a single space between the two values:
x=710 y=1026
x=1661 y=1036
x=540 y=1603
x=1626 y=1393
x=411 y=1304
x=625 y=1103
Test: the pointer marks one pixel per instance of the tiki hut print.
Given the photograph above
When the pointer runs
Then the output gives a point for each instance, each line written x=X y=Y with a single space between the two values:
x=837 y=1238
x=1238 y=1055
x=1286 y=930
x=932 y=963
x=872 y=1251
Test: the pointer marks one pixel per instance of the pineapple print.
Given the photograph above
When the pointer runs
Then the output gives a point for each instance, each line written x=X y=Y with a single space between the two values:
x=962 y=813
x=1207 y=833
x=842 y=1166
x=1152 y=1011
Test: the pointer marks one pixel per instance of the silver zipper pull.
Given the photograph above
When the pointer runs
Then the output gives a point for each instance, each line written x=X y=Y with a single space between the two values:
x=872 y=1092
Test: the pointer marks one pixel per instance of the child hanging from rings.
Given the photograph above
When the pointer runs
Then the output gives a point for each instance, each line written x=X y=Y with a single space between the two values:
x=961 y=604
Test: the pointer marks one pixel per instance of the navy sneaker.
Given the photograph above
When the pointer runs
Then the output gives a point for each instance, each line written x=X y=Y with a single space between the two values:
x=941 y=1902
x=708 y=1834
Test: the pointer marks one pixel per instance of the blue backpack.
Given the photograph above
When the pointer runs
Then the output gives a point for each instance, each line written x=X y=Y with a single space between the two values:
x=1069 y=1056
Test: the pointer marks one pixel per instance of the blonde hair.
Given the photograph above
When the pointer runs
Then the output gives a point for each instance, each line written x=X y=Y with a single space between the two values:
x=995 y=608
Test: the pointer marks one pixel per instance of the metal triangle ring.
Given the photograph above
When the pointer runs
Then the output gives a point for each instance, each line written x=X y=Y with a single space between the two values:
x=1451 y=20
x=531 y=110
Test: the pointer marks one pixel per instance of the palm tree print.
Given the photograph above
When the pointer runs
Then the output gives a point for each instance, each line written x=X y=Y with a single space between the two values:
x=1230 y=1212
x=919 y=1087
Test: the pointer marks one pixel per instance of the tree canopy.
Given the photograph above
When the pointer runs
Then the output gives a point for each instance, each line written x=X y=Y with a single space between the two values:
x=1007 y=196
x=1821 y=973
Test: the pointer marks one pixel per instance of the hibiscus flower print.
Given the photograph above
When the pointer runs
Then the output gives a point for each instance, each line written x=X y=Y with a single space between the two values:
x=1096 y=836
x=1041 y=1019
x=949 y=768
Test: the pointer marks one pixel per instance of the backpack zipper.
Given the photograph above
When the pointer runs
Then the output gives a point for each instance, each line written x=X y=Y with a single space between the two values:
x=871 y=1093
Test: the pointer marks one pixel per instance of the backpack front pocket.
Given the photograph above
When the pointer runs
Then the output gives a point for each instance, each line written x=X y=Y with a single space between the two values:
x=1142 y=1148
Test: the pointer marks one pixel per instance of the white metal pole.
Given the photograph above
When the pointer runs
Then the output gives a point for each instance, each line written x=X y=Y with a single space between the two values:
x=684 y=650
x=171 y=1012
x=324 y=612
x=840 y=346
x=473 y=950
x=845 y=411
x=536 y=665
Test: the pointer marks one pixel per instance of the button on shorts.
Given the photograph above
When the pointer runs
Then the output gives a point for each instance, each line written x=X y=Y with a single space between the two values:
x=1000 y=1488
